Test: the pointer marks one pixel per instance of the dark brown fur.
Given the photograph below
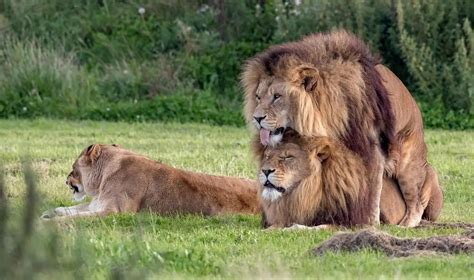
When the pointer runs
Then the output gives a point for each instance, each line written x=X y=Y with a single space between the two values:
x=356 y=138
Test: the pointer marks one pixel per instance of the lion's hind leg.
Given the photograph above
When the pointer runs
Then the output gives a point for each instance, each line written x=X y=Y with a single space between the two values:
x=435 y=200
x=411 y=177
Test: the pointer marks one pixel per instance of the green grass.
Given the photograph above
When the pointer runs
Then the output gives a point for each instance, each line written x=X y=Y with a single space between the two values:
x=234 y=246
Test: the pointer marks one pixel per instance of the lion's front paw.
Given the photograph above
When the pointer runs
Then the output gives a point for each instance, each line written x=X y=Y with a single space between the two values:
x=300 y=227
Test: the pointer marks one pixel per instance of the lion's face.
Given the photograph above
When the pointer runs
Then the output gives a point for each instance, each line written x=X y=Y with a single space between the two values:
x=272 y=110
x=274 y=103
x=283 y=168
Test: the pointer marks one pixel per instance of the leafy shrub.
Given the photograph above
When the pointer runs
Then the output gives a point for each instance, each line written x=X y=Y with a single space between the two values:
x=117 y=57
x=35 y=81
x=181 y=107
x=441 y=71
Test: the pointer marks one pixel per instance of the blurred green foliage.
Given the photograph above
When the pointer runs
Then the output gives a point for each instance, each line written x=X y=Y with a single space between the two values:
x=180 y=60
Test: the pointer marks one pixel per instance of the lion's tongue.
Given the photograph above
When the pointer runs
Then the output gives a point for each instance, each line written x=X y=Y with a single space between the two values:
x=264 y=136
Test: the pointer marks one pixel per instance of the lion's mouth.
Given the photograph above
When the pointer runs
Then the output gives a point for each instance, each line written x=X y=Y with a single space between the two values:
x=269 y=184
x=266 y=135
x=278 y=131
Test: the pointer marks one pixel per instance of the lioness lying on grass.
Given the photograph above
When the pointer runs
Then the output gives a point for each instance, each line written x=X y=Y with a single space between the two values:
x=119 y=181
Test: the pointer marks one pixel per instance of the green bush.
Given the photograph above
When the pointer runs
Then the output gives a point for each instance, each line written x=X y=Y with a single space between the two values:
x=441 y=71
x=180 y=107
x=87 y=55
x=35 y=81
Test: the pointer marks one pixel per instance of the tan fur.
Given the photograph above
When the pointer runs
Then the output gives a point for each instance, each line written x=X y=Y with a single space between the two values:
x=122 y=181
x=330 y=85
x=393 y=207
x=327 y=180
x=326 y=86
x=328 y=184
x=407 y=159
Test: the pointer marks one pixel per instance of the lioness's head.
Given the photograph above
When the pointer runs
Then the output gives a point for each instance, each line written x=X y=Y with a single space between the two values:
x=79 y=178
x=286 y=165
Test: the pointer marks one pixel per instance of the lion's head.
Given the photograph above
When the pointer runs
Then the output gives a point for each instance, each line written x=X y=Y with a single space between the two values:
x=284 y=167
x=308 y=179
x=323 y=85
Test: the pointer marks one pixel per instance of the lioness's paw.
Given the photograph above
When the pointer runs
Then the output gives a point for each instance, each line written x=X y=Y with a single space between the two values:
x=48 y=215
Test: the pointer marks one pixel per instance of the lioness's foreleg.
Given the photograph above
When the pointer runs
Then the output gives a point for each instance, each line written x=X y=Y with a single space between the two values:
x=65 y=211
x=94 y=208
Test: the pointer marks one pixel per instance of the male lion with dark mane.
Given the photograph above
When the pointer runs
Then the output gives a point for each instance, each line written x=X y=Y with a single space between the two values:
x=120 y=181
x=329 y=84
x=316 y=181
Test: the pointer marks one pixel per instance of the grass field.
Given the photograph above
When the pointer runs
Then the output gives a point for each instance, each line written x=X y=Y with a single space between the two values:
x=148 y=245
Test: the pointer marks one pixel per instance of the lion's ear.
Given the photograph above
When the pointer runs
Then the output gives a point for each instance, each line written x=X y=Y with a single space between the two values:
x=93 y=152
x=323 y=152
x=308 y=77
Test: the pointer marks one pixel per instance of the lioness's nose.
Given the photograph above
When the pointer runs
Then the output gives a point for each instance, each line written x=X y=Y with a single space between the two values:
x=259 y=119
x=268 y=171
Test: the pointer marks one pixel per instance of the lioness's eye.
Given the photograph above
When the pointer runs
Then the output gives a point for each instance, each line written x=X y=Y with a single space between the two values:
x=257 y=97
x=276 y=96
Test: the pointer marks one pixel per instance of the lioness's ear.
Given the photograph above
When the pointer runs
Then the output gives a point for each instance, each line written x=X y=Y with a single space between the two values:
x=308 y=77
x=93 y=152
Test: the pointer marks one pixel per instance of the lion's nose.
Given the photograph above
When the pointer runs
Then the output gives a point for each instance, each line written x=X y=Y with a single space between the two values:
x=268 y=171
x=259 y=119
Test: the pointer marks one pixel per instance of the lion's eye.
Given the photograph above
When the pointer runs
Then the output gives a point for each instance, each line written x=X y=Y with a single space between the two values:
x=288 y=157
x=276 y=96
x=257 y=97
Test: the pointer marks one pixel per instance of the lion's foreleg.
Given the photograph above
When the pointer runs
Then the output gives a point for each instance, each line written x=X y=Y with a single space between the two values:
x=319 y=227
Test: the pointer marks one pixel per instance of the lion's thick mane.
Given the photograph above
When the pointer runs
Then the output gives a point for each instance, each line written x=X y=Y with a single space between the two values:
x=348 y=101
x=336 y=193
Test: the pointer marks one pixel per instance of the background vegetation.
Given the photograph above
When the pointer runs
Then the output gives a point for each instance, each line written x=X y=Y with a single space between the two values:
x=180 y=60
x=149 y=246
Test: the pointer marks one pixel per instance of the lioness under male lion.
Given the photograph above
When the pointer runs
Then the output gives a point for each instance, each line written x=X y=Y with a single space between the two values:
x=330 y=84
x=119 y=180
x=316 y=181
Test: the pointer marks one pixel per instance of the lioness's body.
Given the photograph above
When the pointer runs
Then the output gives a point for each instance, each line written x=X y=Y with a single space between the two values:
x=122 y=181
